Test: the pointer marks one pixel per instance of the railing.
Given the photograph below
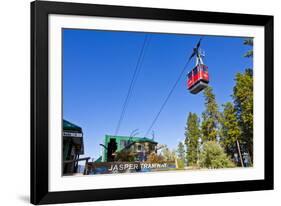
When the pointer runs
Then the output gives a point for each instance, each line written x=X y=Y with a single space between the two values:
x=77 y=160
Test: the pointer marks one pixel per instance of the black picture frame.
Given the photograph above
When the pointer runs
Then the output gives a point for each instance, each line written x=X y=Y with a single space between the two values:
x=39 y=102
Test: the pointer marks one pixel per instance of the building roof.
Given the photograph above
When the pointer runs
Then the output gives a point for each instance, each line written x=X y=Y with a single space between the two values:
x=71 y=127
x=133 y=139
x=145 y=139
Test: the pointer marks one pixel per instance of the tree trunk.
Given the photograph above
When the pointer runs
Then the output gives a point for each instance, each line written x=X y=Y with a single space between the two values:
x=239 y=152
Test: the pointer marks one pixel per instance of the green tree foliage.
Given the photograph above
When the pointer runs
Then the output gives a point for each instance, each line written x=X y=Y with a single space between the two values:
x=243 y=104
x=180 y=164
x=192 y=134
x=249 y=42
x=181 y=151
x=213 y=156
x=230 y=130
x=210 y=117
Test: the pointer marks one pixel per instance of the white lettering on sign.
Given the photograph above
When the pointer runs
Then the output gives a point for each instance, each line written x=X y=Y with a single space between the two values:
x=134 y=166
x=72 y=134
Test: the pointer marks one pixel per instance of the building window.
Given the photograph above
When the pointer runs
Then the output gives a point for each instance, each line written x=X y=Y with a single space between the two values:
x=123 y=143
x=139 y=148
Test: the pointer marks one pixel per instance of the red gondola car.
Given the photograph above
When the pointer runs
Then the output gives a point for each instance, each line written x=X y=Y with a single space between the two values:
x=198 y=78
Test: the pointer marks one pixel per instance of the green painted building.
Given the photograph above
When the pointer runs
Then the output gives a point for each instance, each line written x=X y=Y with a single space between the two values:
x=73 y=147
x=137 y=147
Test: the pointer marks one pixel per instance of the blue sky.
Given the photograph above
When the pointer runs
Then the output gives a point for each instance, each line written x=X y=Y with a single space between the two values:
x=98 y=67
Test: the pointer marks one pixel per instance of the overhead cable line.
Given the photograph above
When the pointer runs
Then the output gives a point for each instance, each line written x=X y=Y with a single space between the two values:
x=133 y=81
x=168 y=97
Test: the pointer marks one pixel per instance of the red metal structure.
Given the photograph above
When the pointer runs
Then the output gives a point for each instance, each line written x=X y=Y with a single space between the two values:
x=198 y=77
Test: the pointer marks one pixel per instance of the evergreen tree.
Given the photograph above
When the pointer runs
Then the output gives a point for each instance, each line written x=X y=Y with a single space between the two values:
x=230 y=131
x=213 y=156
x=249 y=42
x=192 y=134
x=210 y=117
x=181 y=151
x=243 y=104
